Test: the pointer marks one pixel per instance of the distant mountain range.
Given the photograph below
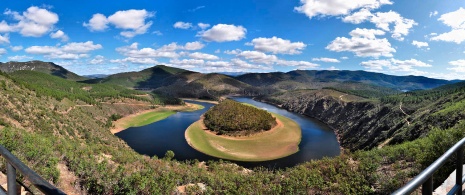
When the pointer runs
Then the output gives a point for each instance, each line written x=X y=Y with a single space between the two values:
x=95 y=76
x=325 y=78
x=184 y=83
x=234 y=74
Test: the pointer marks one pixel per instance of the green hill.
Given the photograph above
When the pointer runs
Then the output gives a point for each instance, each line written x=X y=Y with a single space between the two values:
x=176 y=82
x=47 y=85
x=149 y=78
x=39 y=66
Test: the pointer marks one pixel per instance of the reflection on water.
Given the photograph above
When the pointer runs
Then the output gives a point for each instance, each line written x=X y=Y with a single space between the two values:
x=318 y=140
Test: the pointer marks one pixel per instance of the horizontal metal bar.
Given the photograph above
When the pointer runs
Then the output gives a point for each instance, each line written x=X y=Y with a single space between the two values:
x=428 y=172
x=456 y=187
x=31 y=176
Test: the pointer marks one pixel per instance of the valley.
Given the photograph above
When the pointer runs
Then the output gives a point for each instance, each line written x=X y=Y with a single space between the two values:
x=49 y=122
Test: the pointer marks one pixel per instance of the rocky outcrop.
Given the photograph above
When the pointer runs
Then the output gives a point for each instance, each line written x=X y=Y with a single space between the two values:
x=358 y=124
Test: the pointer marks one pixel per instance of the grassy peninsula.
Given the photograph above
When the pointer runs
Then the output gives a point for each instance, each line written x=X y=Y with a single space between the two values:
x=151 y=116
x=279 y=141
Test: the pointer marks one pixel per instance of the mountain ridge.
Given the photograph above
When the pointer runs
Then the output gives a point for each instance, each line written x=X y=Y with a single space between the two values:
x=171 y=82
x=40 y=66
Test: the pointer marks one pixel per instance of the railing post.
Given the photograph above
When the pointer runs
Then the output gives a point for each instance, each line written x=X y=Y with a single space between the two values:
x=427 y=187
x=11 y=179
x=459 y=170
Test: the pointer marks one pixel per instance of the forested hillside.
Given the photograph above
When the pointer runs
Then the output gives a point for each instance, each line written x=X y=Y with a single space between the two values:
x=47 y=122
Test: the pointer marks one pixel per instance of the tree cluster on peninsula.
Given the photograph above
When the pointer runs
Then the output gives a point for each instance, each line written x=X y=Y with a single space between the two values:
x=233 y=118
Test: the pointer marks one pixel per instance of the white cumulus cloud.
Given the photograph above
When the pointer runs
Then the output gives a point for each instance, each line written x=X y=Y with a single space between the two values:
x=277 y=45
x=182 y=25
x=98 y=22
x=358 y=17
x=133 y=22
x=457 y=66
x=332 y=60
x=233 y=52
x=16 y=48
x=132 y=60
x=19 y=58
x=420 y=44
x=313 y=8
x=166 y=51
x=2 y=51
x=194 y=45
x=223 y=33
x=97 y=60
x=217 y=63
x=4 y=39
x=203 y=56
x=186 y=62
x=70 y=51
x=134 y=52
x=59 y=35
x=395 y=65
x=455 y=20
x=297 y=64
x=203 y=25
x=258 y=57
x=363 y=43
x=34 y=22
x=400 y=26
x=5 y=27
x=455 y=35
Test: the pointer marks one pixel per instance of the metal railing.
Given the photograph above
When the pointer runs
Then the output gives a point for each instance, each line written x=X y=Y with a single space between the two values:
x=14 y=164
x=425 y=178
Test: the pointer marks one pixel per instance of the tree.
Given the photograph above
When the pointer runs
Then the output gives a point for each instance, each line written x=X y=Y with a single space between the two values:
x=169 y=155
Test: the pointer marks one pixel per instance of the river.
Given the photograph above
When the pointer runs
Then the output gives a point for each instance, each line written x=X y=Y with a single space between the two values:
x=318 y=140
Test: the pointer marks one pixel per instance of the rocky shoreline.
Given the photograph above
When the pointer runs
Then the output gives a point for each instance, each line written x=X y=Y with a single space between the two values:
x=357 y=125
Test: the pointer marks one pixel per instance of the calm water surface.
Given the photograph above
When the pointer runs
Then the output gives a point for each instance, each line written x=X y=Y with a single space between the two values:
x=318 y=140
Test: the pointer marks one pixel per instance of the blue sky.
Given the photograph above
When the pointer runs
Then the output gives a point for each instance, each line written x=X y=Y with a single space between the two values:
x=100 y=37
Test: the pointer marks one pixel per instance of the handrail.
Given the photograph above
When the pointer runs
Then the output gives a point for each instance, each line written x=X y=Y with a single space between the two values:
x=14 y=164
x=425 y=178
